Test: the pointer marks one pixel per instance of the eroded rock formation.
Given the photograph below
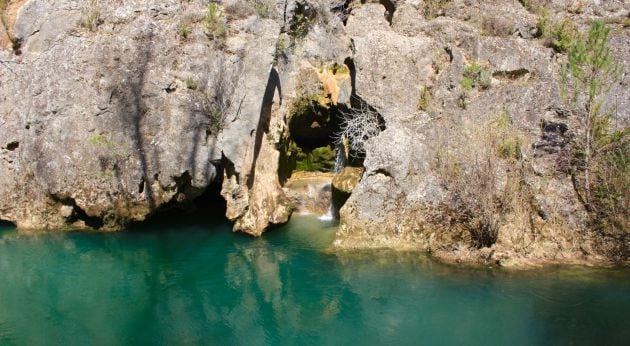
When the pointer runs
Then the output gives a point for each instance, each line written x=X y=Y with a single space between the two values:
x=111 y=111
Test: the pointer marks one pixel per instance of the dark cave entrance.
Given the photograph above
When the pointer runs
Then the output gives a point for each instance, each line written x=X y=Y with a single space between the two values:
x=4 y=224
x=312 y=143
x=189 y=207
x=326 y=138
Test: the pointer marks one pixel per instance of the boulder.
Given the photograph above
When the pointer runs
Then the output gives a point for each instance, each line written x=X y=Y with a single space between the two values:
x=343 y=183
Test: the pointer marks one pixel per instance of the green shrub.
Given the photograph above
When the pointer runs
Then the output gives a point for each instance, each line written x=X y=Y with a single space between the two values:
x=299 y=26
x=191 y=84
x=183 y=30
x=556 y=35
x=282 y=47
x=321 y=159
x=214 y=23
x=600 y=161
x=534 y=6
x=475 y=76
x=508 y=142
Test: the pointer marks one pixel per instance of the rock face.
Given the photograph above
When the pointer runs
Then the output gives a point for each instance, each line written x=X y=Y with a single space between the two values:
x=118 y=117
x=426 y=174
x=343 y=183
x=112 y=111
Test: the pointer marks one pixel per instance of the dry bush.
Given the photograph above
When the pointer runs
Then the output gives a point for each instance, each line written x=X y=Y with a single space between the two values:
x=357 y=127
x=482 y=174
x=218 y=100
x=91 y=14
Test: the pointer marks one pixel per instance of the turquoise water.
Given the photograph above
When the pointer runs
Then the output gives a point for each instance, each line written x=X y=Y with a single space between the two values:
x=189 y=284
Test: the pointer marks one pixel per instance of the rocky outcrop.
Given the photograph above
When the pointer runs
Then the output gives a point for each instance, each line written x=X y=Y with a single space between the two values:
x=445 y=147
x=111 y=112
x=115 y=110
x=343 y=183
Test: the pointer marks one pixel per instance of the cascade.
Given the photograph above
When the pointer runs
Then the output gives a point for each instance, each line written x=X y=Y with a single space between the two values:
x=340 y=162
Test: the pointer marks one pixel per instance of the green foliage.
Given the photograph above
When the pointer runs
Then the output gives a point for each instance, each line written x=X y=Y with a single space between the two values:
x=116 y=149
x=299 y=26
x=591 y=68
x=183 y=30
x=304 y=104
x=320 y=159
x=212 y=110
x=508 y=143
x=214 y=23
x=99 y=140
x=265 y=8
x=475 y=76
x=425 y=99
x=191 y=84
x=557 y=35
x=601 y=157
x=533 y=6
x=562 y=35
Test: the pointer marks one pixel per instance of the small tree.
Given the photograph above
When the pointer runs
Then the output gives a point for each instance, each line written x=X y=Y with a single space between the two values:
x=590 y=72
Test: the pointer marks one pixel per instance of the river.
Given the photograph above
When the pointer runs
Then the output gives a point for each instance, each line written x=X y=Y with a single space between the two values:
x=170 y=282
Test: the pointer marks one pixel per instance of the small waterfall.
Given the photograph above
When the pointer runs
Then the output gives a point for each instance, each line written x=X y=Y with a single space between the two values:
x=340 y=163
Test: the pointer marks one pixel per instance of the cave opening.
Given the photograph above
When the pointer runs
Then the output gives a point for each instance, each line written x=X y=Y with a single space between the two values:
x=313 y=143
x=189 y=207
x=4 y=224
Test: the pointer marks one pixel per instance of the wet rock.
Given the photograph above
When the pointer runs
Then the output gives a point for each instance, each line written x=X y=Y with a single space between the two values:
x=309 y=192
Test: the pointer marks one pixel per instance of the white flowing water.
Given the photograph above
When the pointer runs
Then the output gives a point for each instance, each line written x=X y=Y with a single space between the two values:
x=340 y=162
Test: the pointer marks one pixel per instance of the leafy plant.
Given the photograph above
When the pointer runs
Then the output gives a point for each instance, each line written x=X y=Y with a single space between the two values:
x=534 y=6
x=557 y=35
x=508 y=143
x=319 y=159
x=299 y=26
x=282 y=47
x=476 y=75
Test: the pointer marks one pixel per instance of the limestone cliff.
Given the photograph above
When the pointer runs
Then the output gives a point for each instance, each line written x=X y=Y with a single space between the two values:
x=112 y=111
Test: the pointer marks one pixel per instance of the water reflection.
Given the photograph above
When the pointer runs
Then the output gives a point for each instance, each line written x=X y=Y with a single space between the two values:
x=206 y=285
